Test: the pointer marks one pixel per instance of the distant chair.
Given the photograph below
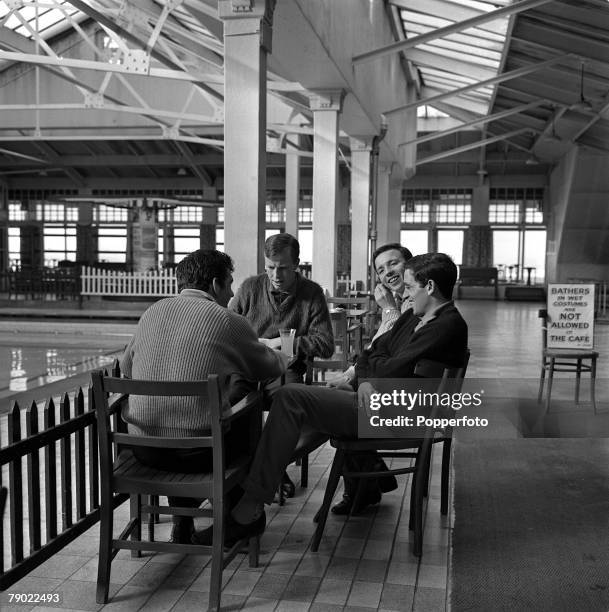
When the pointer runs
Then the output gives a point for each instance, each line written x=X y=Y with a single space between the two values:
x=565 y=360
x=122 y=477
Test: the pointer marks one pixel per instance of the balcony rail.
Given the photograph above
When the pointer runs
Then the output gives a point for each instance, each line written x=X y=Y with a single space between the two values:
x=51 y=464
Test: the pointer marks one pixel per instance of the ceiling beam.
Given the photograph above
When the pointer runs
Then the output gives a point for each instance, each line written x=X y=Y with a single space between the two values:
x=197 y=170
x=122 y=32
x=410 y=43
x=500 y=78
x=477 y=122
x=469 y=147
x=54 y=158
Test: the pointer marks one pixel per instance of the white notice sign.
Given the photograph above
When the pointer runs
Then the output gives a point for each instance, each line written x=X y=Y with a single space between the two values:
x=571 y=316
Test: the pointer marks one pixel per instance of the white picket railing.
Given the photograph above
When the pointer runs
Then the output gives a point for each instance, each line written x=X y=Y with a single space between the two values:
x=112 y=282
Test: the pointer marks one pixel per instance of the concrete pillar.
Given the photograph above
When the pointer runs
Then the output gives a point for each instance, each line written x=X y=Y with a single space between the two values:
x=208 y=228
x=144 y=233
x=247 y=40
x=292 y=188
x=389 y=202
x=86 y=235
x=326 y=107
x=361 y=149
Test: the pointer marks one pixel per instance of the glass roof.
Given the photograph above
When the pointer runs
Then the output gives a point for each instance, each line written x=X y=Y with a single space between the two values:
x=481 y=45
x=51 y=16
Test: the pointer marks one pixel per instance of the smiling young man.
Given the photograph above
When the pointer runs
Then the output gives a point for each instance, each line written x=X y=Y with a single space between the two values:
x=437 y=332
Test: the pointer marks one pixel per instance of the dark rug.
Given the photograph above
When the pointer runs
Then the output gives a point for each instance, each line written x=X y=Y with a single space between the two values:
x=531 y=528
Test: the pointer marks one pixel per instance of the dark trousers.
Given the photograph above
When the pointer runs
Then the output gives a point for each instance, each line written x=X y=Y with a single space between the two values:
x=329 y=411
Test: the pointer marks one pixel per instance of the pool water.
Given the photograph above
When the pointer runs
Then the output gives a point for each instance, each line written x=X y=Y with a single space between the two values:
x=25 y=367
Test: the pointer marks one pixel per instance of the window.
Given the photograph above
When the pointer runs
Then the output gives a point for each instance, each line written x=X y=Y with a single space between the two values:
x=305 y=238
x=416 y=212
x=305 y=215
x=16 y=212
x=502 y=212
x=112 y=244
x=453 y=212
x=439 y=206
x=185 y=241
x=187 y=214
x=451 y=243
x=523 y=247
x=102 y=213
x=416 y=241
x=220 y=239
x=59 y=243
x=53 y=212
x=535 y=253
x=505 y=252
x=14 y=246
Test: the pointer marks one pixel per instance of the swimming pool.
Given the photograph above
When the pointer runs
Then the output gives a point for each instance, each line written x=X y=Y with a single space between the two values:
x=32 y=366
x=34 y=354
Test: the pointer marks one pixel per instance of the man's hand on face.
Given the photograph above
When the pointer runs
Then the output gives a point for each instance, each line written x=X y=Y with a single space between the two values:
x=364 y=391
x=384 y=298
x=274 y=343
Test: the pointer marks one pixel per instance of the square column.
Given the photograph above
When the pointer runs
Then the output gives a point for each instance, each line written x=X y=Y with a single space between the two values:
x=247 y=40
x=292 y=188
x=326 y=107
x=361 y=149
x=389 y=200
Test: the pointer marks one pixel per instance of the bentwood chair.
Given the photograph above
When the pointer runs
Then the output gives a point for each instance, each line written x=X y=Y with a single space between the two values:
x=123 y=477
x=340 y=359
x=417 y=447
x=574 y=361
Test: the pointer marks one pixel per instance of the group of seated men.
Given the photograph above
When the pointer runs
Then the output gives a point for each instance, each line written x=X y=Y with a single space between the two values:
x=198 y=333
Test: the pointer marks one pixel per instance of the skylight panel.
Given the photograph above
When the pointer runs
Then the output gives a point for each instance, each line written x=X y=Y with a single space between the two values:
x=482 y=45
x=51 y=18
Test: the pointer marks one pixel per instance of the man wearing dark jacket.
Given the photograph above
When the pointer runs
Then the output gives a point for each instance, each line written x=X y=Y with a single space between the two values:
x=436 y=331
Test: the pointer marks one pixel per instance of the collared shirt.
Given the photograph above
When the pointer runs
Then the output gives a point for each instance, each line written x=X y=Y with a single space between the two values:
x=426 y=318
x=198 y=293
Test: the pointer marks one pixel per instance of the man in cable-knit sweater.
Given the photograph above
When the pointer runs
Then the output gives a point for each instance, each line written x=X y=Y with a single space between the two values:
x=282 y=298
x=188 y=337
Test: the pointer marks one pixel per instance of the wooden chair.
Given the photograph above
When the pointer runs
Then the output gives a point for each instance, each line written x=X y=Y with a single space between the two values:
x=418 y=447
x=340 y=359
x=564 y=360
x=360 y=319
x=123 y=477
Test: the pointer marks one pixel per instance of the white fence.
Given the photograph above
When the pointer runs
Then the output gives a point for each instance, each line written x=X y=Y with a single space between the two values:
x=112 y=282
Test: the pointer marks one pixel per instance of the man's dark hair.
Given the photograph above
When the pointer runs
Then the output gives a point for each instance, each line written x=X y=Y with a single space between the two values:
x=278 y=242
x=437 y=267
x=392 y=246
x=198 y=270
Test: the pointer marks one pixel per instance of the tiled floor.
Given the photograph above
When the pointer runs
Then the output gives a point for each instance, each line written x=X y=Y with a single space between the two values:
x=364 y=563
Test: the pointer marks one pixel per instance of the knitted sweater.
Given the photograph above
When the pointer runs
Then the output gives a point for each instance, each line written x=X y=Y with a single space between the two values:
x=189 y=337
x=304 y=309
x=395 y=354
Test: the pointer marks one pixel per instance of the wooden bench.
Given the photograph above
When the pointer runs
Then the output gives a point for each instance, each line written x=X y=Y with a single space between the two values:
x=478 y=277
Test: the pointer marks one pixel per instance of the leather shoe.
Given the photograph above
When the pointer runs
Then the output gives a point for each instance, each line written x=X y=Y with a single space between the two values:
x=288 y=487
x=233 y=532
x=346 y=505
x=182 y=530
